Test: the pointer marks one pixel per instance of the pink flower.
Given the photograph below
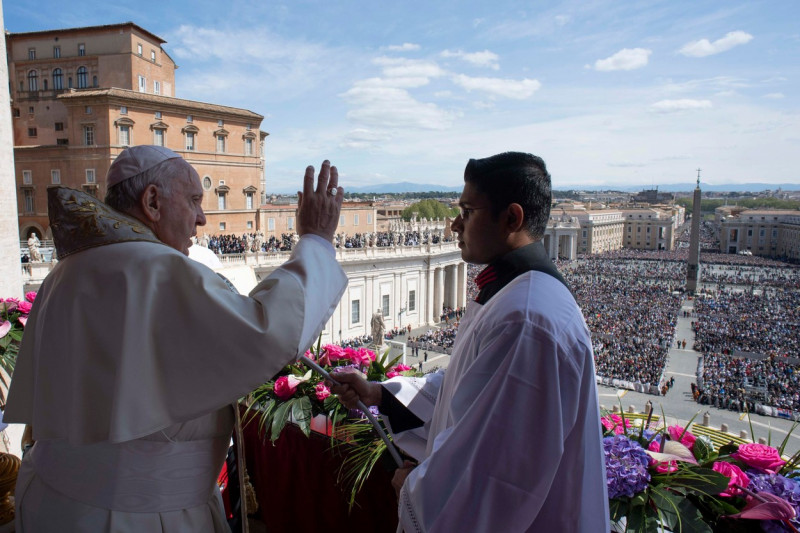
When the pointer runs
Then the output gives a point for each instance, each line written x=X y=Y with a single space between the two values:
x=24 y=307
x=687 y=440
x=615 y=422
x=737 y=477
x=760 y=456
x=322 y=391
x=5 y=327
x=360 y=356
x=662 y=467
x=23 y=320
x=392 y=374
x=310 y=355
x=331 y=353
x=30 y=296
x=285 y=386
x=9 y=305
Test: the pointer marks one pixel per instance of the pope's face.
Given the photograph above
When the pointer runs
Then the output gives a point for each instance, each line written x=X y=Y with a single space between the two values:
x=182 y=212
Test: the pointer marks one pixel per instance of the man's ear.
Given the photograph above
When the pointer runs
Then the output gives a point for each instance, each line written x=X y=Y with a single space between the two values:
x=516 y=218
x=151 y=202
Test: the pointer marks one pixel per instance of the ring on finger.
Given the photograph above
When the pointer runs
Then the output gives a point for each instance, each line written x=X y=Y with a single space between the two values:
x=333 y=191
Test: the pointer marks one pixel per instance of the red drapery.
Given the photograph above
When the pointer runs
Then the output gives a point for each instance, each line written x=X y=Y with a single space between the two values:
x=295 y=481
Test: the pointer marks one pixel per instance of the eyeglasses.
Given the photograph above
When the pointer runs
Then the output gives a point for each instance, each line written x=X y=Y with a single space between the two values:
x=465 y=211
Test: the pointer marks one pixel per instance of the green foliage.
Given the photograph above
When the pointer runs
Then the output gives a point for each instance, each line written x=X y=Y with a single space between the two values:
x=708 y=205
x=429 y=209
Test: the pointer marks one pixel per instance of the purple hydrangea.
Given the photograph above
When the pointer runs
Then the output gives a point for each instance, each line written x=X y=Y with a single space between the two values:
x=786 y=488
x=626 y=466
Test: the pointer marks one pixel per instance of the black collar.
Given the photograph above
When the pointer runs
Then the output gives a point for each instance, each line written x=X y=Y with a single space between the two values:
x=500 y=273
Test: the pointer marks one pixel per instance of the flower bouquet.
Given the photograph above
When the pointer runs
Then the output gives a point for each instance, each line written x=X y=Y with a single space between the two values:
x=298 y=395
x=667 y=479
x=13 y=316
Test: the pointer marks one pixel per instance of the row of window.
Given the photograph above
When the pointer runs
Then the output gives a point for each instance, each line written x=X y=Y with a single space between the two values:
x=139 y=51
x=82 y=75
x=355 y=306
x=55 y=176
x=143 y=85
x=57 y=51
x=125 y=138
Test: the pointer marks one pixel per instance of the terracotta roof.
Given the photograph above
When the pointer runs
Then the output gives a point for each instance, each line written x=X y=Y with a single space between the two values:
x=135 y=96
x=88 y=28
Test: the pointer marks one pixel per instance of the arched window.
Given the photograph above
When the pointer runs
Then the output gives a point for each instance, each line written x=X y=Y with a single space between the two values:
x=33 y=81
x=82 y=78
x=94 y=81
x=58 y=79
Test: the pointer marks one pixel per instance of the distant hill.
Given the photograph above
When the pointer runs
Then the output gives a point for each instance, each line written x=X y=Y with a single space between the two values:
x=686 y=187
x=405 y=187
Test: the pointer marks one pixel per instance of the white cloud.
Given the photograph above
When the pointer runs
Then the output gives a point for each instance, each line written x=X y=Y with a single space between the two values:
x=400 y=67
x=774 y=96
x=704 y=47
x=480 y=59
x=671 y=106
x=625 y=59
x=405 y=47
x=363 y=138
x=391 y=107
x=514 y=89
x=401 y=82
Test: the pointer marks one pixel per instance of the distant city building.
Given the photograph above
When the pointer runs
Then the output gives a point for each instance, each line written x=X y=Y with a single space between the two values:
x=81 y=95
x=650 y=228
x=766 y=232
x=652 y=196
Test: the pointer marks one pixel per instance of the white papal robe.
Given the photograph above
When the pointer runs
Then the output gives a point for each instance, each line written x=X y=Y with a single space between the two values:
x=511 y=439
x=132 y=357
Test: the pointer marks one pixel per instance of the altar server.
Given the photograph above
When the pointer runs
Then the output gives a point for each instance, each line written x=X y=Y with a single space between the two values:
x=508 y=438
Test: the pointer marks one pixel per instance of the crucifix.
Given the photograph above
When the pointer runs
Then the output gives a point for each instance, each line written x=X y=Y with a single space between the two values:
x=698 y=177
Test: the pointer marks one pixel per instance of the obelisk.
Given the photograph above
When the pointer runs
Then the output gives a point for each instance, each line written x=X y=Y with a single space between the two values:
x=693 y=267
x=10 y=268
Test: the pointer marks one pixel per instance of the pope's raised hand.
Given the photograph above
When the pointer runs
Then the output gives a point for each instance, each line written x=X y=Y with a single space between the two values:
x=318 y=208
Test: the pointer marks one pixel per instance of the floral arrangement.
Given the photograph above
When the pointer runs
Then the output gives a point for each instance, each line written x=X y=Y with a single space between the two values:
x=667 y=479
x=298 y=395
x=13 y=316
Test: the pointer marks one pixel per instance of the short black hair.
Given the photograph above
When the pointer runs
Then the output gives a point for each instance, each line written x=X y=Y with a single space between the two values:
x=514 y=177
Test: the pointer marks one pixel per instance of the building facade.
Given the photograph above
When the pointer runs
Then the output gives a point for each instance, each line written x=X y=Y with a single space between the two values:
x=80 y=96
x=649 y=229
x=765 y=232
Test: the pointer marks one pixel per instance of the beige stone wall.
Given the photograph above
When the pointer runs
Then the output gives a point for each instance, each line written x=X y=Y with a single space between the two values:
x=356 y=217
x=10 y=270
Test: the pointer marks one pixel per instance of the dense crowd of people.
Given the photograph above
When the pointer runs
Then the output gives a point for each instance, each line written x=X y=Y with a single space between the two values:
x=631 y=312
x=631 y=299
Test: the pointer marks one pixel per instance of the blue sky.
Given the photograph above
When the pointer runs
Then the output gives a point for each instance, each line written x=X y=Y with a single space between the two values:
x=607 y=92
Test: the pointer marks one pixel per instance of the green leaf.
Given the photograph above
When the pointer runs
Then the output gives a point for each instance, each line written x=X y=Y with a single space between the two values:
x=702 y=480
x=279 y=419
x=728 y=449
x=301 y=411
x=667 y=504
x=617 y=508
x=691 y=521
x=703 y=447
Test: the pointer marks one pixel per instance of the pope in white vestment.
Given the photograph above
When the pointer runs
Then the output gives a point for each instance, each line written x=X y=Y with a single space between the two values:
x=132 y=357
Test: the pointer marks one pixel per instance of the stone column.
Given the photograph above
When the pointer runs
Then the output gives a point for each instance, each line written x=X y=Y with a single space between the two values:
x=453 y=302
x=10 y=267
x=429 y=292
x=438 y=299
x=462 y=284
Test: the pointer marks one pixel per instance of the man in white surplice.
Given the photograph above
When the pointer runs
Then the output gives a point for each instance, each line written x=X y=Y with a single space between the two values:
x=134 y=354
x=508 y=438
